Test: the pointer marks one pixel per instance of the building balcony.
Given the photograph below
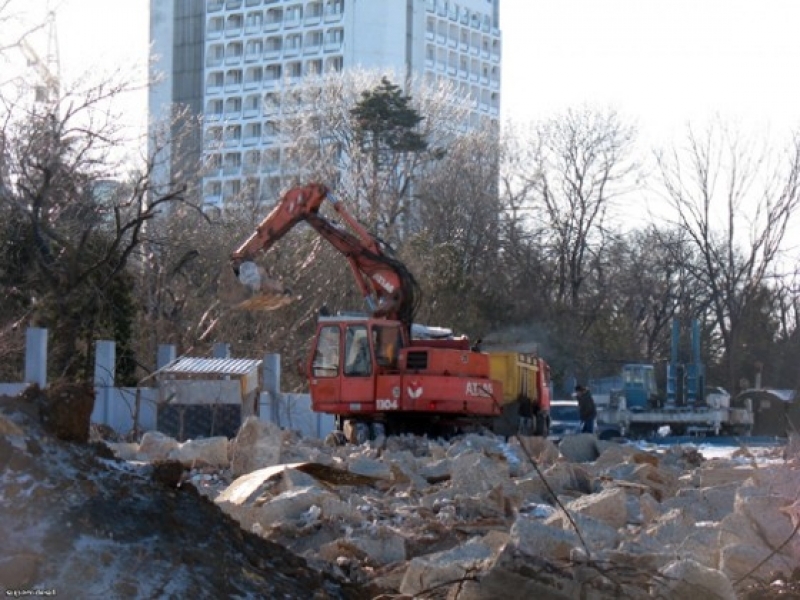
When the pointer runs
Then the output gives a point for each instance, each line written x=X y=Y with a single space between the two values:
x=251 y=140
x=214 y=5
x=332 y=46
x=233 y=31
x=274 y=25
x=333 y=16
x=233 y=142
x=463 y=73
x=233 y=87
x=495 y=57
x=250 y=169
x=251 y=113
x=251 y=28
x=312 y=49
x=212 y=117
x=430 y=35
x=214 y=34
x=291 y=52
x=292 y=22
x=271 y=83
x=233 y=60
x=233 y=4
x=213 y=88
x=430 y=63
x=214 y=61
x=272 y=53
x=253 y=84
x=313 y=19
x=441 y=39
x=451 y=71
x=229 y=170
x=233 y=115
x=494 y=84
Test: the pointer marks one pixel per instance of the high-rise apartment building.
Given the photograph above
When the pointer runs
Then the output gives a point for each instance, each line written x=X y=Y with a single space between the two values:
x=232 y=60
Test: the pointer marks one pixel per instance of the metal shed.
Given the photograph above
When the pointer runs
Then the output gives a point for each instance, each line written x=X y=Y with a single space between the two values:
x=775 y=412
x=205 y=397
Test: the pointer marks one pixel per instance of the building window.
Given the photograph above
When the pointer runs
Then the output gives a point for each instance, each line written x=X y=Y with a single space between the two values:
x=233 y=107
x=314 y=67
x=214 y=108
x=233 y=25
x=334 y=64
x=231 y=189
x=294 y=70
x=233 y=78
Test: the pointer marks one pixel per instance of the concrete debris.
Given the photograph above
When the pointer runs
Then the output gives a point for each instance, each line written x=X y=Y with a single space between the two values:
x=689 y=579
x=479 y=516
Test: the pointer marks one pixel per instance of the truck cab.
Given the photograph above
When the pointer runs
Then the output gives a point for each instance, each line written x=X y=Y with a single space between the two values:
x=639 y=391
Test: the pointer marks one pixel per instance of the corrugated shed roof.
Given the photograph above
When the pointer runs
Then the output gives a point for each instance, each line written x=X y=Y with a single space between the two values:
x=211 y=366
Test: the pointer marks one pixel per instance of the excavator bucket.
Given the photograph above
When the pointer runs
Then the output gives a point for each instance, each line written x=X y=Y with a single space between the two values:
x=259 y=293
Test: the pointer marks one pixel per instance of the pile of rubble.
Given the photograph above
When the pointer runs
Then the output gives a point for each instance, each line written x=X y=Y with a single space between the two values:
x=482 y=517
x=76 y=522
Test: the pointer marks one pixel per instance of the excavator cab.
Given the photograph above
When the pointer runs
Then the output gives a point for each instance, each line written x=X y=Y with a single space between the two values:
x=351 y=360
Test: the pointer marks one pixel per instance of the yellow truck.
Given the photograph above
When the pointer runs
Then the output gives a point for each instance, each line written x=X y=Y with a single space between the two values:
x=526 y=392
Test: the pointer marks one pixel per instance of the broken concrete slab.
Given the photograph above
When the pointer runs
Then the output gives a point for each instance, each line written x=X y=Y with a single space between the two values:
x=581 y=448
x=689 y=579
x=206 y=451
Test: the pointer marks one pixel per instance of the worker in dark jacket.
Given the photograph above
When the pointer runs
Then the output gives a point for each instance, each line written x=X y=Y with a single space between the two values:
x=525 y=415
x=587 y=410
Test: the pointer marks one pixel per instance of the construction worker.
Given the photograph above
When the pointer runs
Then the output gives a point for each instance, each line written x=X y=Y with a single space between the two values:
x=525 y=415
x=587 y=411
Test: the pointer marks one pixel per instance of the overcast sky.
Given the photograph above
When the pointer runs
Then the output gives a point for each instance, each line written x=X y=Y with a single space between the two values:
x=660 y=63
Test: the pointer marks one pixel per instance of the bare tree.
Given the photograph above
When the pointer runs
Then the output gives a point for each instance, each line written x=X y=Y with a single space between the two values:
x=76 y=219
x=733 y=199
x=455 y=252
x=579 y=164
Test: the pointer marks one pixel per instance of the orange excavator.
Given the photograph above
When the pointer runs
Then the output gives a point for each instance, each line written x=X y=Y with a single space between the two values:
x=380 y=373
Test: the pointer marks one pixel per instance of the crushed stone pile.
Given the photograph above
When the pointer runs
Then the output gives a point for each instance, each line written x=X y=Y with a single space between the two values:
x=77 y=522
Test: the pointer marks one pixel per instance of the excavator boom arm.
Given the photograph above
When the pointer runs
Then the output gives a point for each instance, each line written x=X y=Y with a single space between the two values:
x=386 y=285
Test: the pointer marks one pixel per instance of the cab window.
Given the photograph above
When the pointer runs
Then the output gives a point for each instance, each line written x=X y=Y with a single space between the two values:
x=326 y=358
x=387 y=341
x=358 y=360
